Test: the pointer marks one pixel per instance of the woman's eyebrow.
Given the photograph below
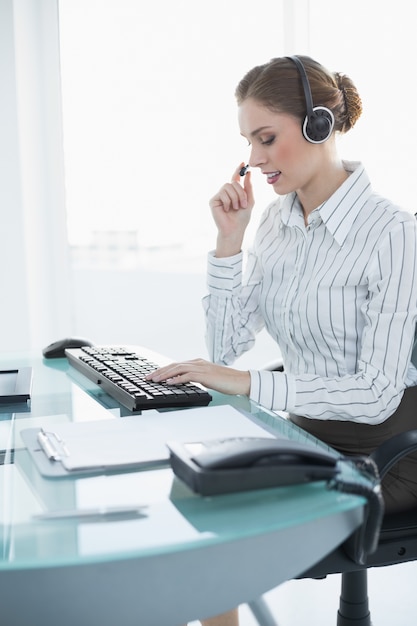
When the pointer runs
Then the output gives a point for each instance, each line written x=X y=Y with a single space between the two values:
x=259 y=130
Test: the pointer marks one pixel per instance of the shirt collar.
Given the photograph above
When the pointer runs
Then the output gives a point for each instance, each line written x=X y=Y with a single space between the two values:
x=291 y=211
x=342 y=208
x=339 y=212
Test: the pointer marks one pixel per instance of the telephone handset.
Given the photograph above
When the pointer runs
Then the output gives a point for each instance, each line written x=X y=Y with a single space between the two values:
x=251 y=452
x=244 y=463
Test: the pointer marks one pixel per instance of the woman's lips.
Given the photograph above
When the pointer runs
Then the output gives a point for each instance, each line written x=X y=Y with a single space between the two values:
x=272 y=177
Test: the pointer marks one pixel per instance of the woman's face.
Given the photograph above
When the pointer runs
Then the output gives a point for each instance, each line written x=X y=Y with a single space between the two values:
x=278 y=148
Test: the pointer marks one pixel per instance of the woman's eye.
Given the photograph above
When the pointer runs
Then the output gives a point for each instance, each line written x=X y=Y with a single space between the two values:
x=269 y=141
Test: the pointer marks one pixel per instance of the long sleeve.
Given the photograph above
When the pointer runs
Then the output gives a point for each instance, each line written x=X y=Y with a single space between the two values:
x=232 y=310
x=340 y=298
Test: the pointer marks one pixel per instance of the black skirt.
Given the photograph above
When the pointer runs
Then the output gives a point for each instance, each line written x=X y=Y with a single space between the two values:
x=399 y=487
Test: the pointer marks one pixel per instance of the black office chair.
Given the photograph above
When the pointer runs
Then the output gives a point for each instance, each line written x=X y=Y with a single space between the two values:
x=397 y=544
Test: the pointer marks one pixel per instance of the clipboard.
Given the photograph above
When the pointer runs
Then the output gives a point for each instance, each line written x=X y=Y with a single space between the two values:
x=130 y=443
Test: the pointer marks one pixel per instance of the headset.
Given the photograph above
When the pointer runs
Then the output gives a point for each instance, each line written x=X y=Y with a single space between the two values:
x=319 y=121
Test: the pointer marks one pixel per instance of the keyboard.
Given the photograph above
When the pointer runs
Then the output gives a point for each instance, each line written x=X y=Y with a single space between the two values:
x=121 y=373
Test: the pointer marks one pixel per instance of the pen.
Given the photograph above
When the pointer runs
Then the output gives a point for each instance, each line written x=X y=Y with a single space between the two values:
x=94 y=513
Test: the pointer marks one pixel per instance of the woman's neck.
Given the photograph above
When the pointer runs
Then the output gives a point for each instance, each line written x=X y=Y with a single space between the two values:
x=322 y=187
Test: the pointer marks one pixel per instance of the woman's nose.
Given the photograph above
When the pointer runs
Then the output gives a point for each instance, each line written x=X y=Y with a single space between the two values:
x=256 y=158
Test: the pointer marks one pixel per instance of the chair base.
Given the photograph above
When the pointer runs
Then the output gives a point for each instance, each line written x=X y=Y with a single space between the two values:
x=354 y=604
x=261 y=612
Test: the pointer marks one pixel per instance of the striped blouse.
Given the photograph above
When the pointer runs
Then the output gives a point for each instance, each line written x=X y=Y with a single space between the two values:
x=339 y=296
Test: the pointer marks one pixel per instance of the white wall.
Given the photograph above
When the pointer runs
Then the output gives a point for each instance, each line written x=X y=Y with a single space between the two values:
x=160 y=310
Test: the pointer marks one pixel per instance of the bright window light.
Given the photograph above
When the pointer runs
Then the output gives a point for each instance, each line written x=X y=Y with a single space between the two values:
x=150 y=124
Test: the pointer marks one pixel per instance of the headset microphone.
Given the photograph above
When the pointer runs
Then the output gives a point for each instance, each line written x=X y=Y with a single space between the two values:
x=319 y=121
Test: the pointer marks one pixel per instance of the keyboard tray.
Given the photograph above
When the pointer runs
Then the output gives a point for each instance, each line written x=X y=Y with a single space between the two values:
x=121 y=373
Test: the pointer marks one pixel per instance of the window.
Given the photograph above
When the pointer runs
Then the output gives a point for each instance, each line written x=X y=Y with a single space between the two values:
x=375 y=43
x=151 y=132
x=150 y=126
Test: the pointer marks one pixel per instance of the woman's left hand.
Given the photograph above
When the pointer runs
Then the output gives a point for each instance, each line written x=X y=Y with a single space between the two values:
x=218 y=377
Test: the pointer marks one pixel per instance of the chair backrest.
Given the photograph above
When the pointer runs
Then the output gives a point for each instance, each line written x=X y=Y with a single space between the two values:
x=414 y=351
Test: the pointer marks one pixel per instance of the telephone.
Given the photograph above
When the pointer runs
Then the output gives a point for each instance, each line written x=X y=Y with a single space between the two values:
x=244 y=463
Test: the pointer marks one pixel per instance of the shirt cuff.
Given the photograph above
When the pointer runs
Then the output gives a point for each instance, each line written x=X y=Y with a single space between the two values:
x=224 y=273
x=272 y=390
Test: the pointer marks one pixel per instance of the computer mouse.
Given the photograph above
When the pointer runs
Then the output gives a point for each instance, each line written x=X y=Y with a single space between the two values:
x=56 y=350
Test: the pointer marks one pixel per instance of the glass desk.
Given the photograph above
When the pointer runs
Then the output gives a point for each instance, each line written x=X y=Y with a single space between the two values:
x=185 y=558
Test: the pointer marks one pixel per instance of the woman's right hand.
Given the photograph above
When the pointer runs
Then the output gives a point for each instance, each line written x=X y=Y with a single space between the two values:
x=218 y=377
x=232 y=208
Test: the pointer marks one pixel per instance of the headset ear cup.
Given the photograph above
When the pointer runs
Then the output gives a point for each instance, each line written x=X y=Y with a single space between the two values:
x=318 y=127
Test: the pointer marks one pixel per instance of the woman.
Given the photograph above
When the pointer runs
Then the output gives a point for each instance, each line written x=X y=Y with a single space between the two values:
x=332 y=275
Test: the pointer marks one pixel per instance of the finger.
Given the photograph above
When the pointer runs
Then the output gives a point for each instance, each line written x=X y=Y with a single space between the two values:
x=195 y=371
x=247 y=186
x=181 y=379
x=233 y=196
x=161 y=373
x=241 y=197
x=171 y=371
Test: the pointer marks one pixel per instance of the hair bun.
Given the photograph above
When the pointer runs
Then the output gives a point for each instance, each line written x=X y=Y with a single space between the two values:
x=351 y=99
